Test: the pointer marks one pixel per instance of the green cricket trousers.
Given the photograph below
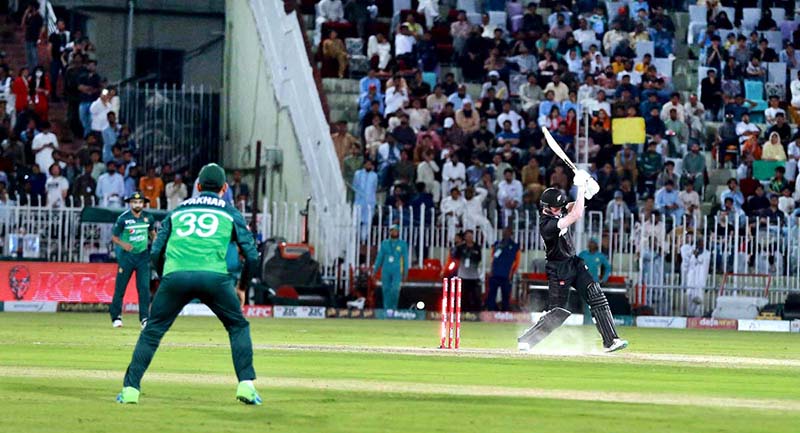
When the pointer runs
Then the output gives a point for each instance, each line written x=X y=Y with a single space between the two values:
x=128 y=263
x=176 y=290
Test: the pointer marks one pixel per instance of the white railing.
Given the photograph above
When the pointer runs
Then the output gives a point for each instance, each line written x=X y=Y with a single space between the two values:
x=293 y=81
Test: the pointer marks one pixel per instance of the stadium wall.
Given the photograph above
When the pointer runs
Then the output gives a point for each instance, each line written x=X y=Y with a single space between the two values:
x=251 y=111
x=160 y=30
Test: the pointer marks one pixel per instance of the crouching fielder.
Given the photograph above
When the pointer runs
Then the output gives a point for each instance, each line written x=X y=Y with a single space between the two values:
x=564 y=269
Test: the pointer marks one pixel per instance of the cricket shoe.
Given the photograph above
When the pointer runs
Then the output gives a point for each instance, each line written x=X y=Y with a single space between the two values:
x=144 y=323
x=616 y=344
x=247 y=394
x=117 y=323
x=129 y=395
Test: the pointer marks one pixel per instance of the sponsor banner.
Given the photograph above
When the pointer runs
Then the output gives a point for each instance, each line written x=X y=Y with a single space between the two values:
x=709 y=323
x=623 y=320
x=399 y=314
x=257 y=311
x=572 y=320
x=75 y=307
x=466 y=316
x=661 y=322
x=30 y=306
x=794 y=327
x=504 y=317
x=764 y=325
x=350 y=313
x=61 y=282
x=298 y=312
x=196 y=310
x=130 y=308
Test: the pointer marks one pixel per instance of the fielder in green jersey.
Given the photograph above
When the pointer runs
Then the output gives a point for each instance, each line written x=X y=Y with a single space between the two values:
x=194 y=240
x=131 y=233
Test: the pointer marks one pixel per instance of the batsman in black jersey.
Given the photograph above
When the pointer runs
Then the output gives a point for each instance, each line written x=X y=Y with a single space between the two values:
x=564 y=269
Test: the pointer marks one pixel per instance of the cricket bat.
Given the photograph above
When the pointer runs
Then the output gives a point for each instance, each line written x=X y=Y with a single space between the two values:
x=558 y=150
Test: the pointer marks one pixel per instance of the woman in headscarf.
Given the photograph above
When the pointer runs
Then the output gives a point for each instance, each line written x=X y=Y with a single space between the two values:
x=773 y=149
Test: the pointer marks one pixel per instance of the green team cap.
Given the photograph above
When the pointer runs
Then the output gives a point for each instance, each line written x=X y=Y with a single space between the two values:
x=212 y=176
x=137 y=196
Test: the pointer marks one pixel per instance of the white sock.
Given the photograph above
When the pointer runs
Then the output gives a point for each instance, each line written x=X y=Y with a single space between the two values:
x=247 y=382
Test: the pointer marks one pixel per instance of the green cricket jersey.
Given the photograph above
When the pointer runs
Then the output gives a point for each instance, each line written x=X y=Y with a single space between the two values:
x=133 y=230
x=195 y=236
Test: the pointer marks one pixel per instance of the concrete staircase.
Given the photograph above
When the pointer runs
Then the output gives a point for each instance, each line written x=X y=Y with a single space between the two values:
x=12 y=42
x=342 y=97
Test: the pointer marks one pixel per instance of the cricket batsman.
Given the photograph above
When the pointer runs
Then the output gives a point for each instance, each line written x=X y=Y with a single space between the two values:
x=131 y=234
x=564 y=269
x=194 y=240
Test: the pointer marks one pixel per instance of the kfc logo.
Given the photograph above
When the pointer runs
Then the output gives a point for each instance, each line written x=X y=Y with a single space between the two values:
x=19 y=280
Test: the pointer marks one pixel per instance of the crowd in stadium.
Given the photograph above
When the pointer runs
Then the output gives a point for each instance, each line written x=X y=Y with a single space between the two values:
x=99 y=165
x=428 y=139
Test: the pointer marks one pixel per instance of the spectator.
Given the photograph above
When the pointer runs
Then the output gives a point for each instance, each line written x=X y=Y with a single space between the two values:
x=98 y=167
x=500 y=87
x=460 y=30
x=711 y=95
x=127 y=162
x=418 y=117
x=778 y=181
x=458 y=98
x=509 y=194
x=757 y=202
x=388 y=156
x=505 y=261
x=754 y=70
x=733 y=193
x=490 y=108
x=452 y=209
x=559 y=89
x=694 y=113
x=33 y=23
x=369 y=80
x=39 y=87
x=668 y=203
x=650 y=165
x=469 y=257
x=20 y=89
x=58 y=56
x=379 y=52
x=449 y=85
x=366 y=101
x=89 y=85
x=238 y=187
x=790 y=56
x=694 y=167
x=525 y=61
x=427 y=170
x=130 y=178
x=352 y=163
x=83 y=188
x=508 y=137
x=43 y=146
x=453 y=173
x=333 y=49
x=786 y=203
x=328 y=11
x=436 y=101
x=374 y=136
x=468 y=119
x=793 y=156
x=510 y=115
x=677 y=133
x=773 y=149
x=773 y=110
x=614 y=37
x=57 y=187
x=342 y=140
x=152 y=187
x=530 y=94
x=110 y=135
x=365 y=186
x=404 y=42
x=617 y=211
x=176 y=192
x=396 y=97
x=765 y=53
x=111 y=187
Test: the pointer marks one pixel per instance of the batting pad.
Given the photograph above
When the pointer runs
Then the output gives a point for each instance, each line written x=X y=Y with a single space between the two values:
x=548 y=323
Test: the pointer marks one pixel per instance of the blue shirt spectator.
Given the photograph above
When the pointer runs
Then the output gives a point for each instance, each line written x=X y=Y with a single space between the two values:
x=734 y=194
x=366 y=82
x=596 y=262
x=668 y=202
x=366 y=99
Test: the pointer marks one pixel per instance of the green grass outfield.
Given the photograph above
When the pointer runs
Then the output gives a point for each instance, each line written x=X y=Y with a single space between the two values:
x=60 y=372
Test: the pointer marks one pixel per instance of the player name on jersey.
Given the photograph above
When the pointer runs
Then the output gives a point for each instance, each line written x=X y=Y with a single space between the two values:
x=204 y=200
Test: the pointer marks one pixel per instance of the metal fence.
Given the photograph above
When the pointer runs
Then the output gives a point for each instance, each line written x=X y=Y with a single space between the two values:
x=646 y=252
x=172 y=124
x=749 y=254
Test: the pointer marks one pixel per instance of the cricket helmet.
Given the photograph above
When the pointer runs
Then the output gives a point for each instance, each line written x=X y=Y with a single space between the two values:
x=553 y=197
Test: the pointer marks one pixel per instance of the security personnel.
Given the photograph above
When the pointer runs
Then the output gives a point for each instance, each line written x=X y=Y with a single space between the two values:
x=194 y=240
x=392 y=260
x=131 y=233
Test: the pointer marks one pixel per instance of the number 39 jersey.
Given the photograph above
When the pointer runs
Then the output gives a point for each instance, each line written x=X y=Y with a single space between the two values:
x=195 y=236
